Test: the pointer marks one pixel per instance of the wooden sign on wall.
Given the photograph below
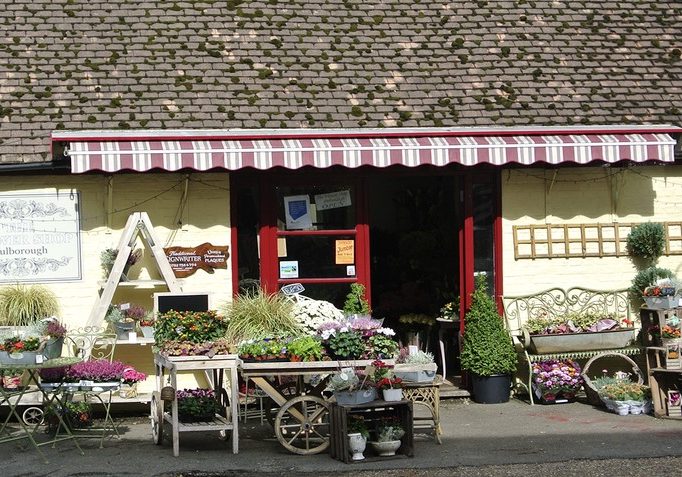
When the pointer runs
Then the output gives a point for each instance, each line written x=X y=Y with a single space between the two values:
x=184 y=261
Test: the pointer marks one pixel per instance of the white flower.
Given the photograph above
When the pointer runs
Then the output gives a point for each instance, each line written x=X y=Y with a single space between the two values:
x=386 y=331
x=312 y=313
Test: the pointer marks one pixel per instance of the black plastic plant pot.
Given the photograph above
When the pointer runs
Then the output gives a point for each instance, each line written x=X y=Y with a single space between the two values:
x=491 y=389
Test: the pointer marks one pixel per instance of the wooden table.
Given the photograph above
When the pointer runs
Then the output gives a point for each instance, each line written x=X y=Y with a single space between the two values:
x=218 y=366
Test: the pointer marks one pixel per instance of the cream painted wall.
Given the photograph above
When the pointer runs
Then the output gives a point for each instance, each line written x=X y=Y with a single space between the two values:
x=584 y=195
x=204 y=218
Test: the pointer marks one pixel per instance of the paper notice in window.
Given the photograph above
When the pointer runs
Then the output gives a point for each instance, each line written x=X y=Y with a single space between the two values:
x=288 y=269
x=297 y=212
x=345 y=252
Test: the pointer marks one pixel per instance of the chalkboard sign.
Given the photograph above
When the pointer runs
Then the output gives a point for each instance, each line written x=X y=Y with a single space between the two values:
x=167 y=301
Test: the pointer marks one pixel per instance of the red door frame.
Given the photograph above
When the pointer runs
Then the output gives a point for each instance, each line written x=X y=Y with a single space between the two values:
x=466 y=242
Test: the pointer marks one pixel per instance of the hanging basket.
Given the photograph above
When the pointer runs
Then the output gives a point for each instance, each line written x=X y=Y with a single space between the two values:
x=591 y=391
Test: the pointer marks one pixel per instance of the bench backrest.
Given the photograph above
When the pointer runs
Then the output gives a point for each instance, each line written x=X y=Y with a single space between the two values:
x=557 y=302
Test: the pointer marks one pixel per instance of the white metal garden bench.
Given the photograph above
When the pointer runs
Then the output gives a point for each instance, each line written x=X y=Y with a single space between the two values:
x=557 y=302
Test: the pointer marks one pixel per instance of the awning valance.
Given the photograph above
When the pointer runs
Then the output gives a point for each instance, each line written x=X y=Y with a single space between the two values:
x=205 y=153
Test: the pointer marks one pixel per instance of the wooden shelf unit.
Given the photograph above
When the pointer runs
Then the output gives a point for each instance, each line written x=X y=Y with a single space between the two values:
x=372 y=412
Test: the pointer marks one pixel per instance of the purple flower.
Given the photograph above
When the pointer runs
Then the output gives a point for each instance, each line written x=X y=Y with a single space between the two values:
x=100 y=370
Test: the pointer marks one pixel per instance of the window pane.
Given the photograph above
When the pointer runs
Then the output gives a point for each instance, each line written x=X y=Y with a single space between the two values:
x=316 y=256
x=483 y=201
x=247 y=238
x=324 y=207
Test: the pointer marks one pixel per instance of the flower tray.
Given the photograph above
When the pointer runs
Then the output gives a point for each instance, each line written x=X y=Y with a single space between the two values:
x=568 y=342
x=415 y=373
x=661 y=302
x=25 y=357
x=350 y=398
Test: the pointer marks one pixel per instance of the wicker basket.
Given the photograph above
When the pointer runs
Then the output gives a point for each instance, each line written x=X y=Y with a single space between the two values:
x=591 y=392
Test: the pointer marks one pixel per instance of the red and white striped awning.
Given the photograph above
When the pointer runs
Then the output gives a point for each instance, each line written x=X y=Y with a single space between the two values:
x=202 y=153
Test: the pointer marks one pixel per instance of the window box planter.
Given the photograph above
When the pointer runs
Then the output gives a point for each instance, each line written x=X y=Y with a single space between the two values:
x=350 y=398
x=568 y=342
x=661 y=302
x=416 y=373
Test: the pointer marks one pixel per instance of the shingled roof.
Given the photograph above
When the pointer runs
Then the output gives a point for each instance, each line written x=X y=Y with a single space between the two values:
x=136 y=64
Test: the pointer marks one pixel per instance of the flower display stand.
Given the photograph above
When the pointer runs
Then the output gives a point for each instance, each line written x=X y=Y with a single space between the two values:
x=219 y=366
x=372 y=412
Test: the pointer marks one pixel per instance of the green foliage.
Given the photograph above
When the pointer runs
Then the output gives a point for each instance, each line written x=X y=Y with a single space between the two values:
x=22 y=305
x=355 y=301
x=189 y=327
x=346 y=345
x=357 y=424
x=382 y=346
x=308 y=348
x=487 y=348
x=645 y=278
x=256 y=315
x=646 y=241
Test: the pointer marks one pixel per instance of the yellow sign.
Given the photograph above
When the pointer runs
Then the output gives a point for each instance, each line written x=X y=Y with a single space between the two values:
x=345 y=252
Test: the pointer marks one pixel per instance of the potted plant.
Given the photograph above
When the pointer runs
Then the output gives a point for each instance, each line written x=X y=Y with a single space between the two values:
x=625 y=397
x=17 y=350
x=108 y=258
x=646 y=241
x=381 y=345
x=661 y=295
x=54 y=332
x=389 y=432
x=487 y=350
x=356 y=304
x=266 y=349
x=351 y=387
x=98 y=373
x=310 y=314
x=341 y=341
x=130 y=378
x=123 y=318
x=389 y=385
x=146 y=324
x=23 y=306
x=646 y=278
x=197 y=405
x=258 y=314
x=556 y=381
x=189 y=327
x=418 y=366
x=305 y=348
x=358 y=433
x=10 y=378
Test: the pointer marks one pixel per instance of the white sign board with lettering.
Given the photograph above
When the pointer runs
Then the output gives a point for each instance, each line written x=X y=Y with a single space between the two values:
x=333 y=200
x=39 y=237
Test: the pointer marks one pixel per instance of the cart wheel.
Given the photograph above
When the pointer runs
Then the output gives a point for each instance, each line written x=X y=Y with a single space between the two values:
x=33 y=416
x=157 y=417
x=309 y=435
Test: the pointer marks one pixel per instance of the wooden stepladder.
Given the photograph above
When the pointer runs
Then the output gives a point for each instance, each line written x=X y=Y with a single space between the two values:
x=138 y=224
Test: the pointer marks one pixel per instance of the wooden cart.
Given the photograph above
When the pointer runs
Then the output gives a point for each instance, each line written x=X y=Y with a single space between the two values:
x=218 y=366
x=302 y=420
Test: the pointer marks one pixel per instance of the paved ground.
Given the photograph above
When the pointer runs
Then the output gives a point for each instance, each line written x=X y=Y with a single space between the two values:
x=506 y=439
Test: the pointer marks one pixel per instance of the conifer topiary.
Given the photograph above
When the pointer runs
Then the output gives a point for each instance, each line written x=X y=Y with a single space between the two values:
x=487 y=348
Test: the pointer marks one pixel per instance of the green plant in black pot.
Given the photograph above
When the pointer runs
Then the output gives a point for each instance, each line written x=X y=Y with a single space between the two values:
x=647 y=241
x=487 y=350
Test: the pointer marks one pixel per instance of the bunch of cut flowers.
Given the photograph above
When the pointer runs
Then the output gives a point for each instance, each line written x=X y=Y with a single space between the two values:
x=556 y=380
